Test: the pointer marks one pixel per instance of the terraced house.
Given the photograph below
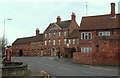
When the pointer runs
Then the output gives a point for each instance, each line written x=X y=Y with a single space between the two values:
x=50 y=43
x=28 y=46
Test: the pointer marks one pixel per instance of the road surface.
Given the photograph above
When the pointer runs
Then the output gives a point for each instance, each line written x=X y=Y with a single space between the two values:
x=55 y=68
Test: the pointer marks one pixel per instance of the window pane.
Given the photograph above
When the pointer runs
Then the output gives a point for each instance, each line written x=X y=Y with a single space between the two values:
x=64 y=41
x=53 y=42
x=82 y=36
x=65 y=33
x=89 y=37
x=59 y=33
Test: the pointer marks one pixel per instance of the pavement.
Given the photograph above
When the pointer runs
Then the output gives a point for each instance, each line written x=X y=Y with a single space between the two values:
x=98 y=67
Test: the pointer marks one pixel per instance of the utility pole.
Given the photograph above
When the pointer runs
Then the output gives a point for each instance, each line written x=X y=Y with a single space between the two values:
x=3 y=40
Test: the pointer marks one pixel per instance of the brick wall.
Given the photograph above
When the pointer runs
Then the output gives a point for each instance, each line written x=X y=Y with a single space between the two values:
x=107 y=55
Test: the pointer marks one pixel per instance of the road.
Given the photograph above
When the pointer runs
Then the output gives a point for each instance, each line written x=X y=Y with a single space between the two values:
x=55 y=68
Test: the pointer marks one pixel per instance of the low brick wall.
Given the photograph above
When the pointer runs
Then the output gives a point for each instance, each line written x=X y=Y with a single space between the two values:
x=96 y=58
x=13 y=68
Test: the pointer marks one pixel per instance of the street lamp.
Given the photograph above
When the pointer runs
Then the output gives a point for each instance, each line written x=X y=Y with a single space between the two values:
x=3 y=40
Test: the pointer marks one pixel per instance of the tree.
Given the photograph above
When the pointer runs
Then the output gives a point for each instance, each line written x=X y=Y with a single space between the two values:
x=3 y=44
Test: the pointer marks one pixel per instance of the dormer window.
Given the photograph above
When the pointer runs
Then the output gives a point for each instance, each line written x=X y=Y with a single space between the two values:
x=86 y=35
x=104 y=33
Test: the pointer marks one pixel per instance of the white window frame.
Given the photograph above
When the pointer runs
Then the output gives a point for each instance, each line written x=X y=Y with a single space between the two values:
x=65 y=33
x=104 y=33
x=59 y=33
x=69 y=41
x=45 y=35
x=87 y=35
x=86 y=49
x=54 y=34
x=65 y=41
x=49 y=41
x=59 y=41
x=45 y=42
x=73 y=41
x=53 y=42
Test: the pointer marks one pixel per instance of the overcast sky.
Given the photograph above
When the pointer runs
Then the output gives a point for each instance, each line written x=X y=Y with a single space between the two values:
x=28 y=15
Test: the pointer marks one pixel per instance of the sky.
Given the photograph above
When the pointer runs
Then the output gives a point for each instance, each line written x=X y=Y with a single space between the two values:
x=27 y=15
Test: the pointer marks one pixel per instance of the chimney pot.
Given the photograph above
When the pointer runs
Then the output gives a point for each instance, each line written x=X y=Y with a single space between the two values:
x=58 y=19
x=112 y=9
x=37 y=31
x=73 y=16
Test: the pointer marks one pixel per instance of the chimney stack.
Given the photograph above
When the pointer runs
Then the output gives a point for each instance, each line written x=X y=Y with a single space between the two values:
x=37 y=31
x=112 y=9
x=58 y=19
x=73 y=16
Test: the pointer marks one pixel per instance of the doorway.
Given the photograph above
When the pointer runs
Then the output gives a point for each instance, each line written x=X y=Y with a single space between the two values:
x=72 y=51
x=20 y=52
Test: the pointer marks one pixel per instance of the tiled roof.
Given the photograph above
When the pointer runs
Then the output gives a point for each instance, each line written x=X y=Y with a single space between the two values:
x=62 y=24
x=74 y=34
x=100 y=22
x=28 y=39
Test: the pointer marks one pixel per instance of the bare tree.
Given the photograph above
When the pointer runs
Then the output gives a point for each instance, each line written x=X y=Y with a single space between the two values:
x=3 y=44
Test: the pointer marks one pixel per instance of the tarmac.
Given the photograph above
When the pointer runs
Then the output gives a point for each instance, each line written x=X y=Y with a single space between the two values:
x=37 y=74
x=98 y=67
x=69 y=61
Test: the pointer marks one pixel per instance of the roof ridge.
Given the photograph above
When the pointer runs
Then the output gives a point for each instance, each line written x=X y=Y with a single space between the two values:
x=26 y=37
x=60 y=21
x=99 y=15
x=95 y=16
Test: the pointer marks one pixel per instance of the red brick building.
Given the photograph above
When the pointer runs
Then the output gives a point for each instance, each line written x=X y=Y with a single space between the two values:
x=28 y=46
x=50 y=43
x=55 y=35
x=99 y=39
x=73 y=42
